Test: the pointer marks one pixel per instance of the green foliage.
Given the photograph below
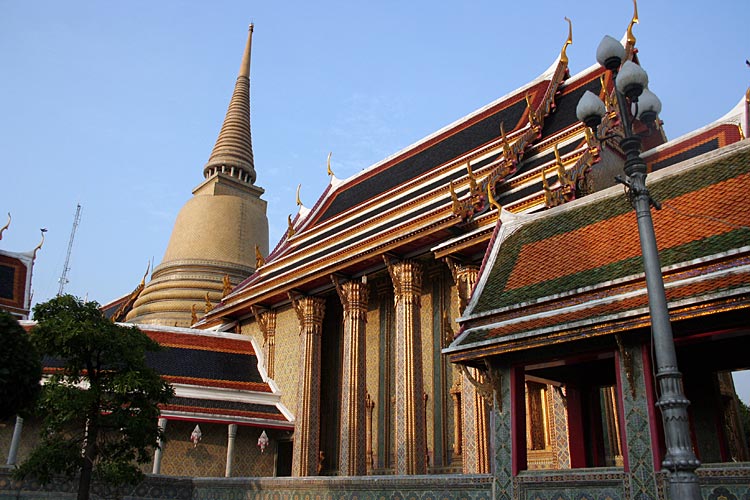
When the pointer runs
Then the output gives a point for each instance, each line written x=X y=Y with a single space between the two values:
x=100 y=405
x=20 y=368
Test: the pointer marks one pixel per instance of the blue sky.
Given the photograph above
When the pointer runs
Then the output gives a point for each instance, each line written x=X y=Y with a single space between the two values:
x=116 y=105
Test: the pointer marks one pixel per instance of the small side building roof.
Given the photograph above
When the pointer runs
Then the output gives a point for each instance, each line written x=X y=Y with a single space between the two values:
x=575 y=271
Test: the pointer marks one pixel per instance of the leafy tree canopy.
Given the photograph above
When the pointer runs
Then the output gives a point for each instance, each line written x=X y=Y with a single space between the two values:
x=100 y=404
x=20 y=368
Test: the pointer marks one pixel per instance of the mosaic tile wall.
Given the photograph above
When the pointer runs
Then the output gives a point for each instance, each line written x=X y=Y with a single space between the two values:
x=248 y=460
x=381 y=488
x=372 y=354
x=718 y=483
x=426 y=330
x=181 y=458
x=603 y=484
x=288 y=348
x=637 y=429
x=501 y=440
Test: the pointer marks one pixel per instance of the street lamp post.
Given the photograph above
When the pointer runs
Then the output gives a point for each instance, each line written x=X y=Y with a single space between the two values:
x=636 y=101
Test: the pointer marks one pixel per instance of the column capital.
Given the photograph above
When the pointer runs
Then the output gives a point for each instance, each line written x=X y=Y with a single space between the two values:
x=354 y=295
x=266 y=319
x=406 y=276
x=465 y=276
x=310 y=311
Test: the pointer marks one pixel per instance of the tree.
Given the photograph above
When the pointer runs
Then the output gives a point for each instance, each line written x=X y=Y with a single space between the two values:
x=100 y=404
x=20 y=368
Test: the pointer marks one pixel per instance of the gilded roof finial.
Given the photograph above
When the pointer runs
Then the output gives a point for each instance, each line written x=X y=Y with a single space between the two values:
x=39 y=246
x=491 y=197
x=290 y=227
x=148 y=268
x=506 y=145
x=561 y=177
x=226 y=286
x=193 y=315
x=298 y=201
x=455 y=204
x=631 y=37
x=5 y=227
x=259 y=260
x=330 y=172
x=563 y=52
x=532 y=114
x=208 y=306
x=472 y=179
x=747 y=100
x=548 y=200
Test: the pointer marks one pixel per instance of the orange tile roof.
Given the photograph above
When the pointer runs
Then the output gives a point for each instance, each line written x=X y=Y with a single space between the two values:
x=581 y=264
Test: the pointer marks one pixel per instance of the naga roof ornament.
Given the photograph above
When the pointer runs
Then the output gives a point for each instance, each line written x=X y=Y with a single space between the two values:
x=290 y=227
x=259 y=260
x=126 y=306
x=512 y=152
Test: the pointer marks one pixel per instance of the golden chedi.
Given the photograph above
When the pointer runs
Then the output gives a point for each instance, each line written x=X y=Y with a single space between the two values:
x=216 y=232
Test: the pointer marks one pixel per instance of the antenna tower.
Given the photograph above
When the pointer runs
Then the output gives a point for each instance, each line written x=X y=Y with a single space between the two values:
x=64 y=276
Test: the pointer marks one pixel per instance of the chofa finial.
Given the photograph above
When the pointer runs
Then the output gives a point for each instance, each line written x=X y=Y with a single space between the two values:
x=631 y=37
x=5 y=227
x=39 y=246
x=563 y=52
x=330 y=172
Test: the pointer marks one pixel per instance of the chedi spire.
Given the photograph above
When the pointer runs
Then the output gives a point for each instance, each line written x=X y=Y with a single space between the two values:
x=216 y=232
x=233 y=151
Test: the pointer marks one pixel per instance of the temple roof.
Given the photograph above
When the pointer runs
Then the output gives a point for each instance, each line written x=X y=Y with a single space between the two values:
x=403 y=203
x=575 y=271
x=15 y=278
x=216 y=377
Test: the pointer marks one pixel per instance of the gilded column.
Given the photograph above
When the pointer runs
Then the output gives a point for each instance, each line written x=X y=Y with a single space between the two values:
x=352 y=451
x=475 y=435
x=310 y=312
x=409 y=408
x=267 y=323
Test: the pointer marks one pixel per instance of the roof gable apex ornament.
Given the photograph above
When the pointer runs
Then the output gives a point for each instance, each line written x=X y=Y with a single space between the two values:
x=630 y=37
x=330 y=172
x=259 y=260
x=6 y=226
x=290 y=227
x=569 y=41
x=39 y=246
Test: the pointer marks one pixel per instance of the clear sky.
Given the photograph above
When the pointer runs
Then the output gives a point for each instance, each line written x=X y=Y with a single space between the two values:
x=116 y=105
